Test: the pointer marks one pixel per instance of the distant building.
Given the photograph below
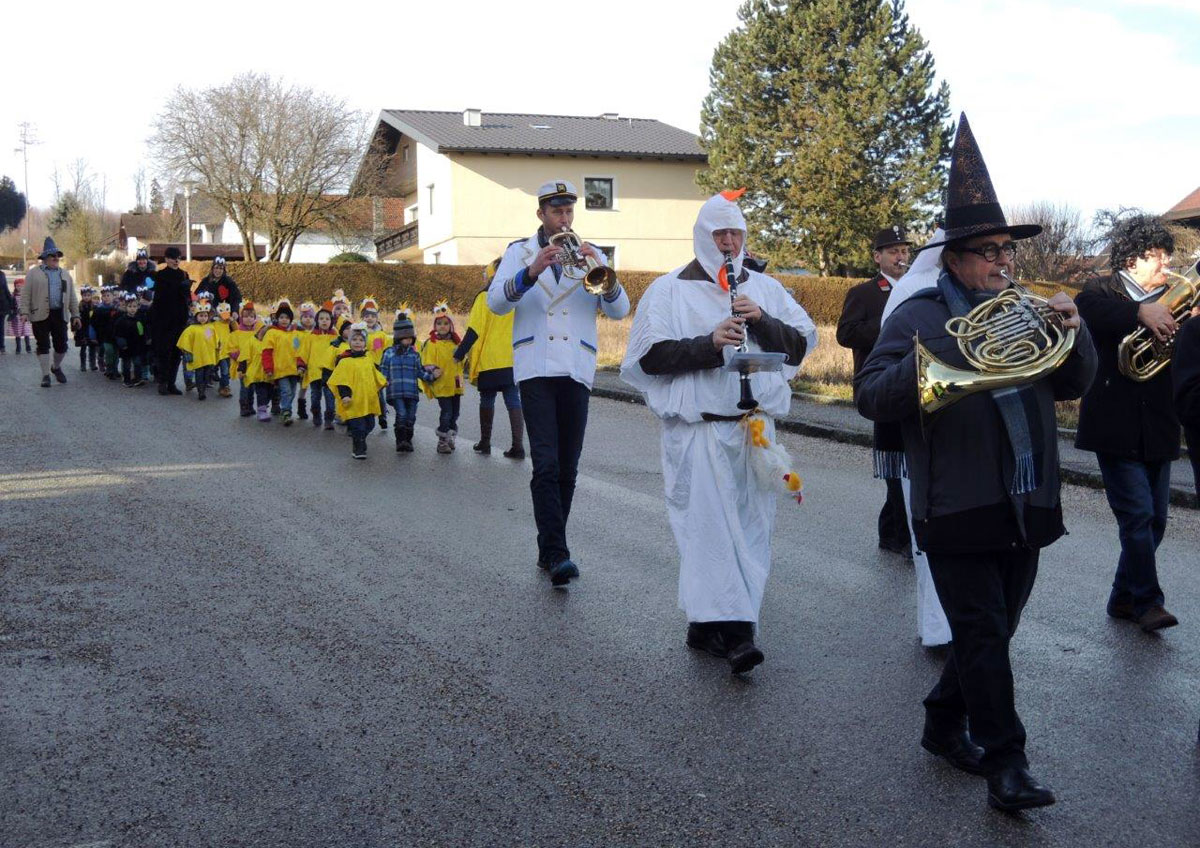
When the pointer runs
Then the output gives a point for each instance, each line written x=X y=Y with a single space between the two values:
x=1187 y=211
x=467 y=182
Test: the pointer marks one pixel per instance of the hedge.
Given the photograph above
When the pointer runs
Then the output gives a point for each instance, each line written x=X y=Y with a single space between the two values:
x=423 y=285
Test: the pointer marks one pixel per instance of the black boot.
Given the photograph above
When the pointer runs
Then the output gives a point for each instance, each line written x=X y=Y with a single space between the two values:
x=302 y=409
x=406 y=445
x=707 y=636
x=517 y=423
x=484 y=445
x=359 y=451
x=1014 y=788
x=743 y=654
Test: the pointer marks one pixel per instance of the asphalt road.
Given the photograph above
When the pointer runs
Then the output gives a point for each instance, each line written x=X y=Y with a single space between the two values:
x=218 y=632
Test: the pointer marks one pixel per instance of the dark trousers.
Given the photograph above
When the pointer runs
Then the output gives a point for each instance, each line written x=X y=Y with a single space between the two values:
x=983 y=595
x=1138 y=494
x=360 y=428
x=167 y=357
x=893 y=521
x=317 y=392
x=555 y=411
x=448 y=413
x=406 y=410
x=131 y=367
x=1193 y=440
x=53 y=329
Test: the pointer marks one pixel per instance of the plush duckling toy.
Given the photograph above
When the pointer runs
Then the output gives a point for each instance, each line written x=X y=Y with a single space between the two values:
x=770 y=460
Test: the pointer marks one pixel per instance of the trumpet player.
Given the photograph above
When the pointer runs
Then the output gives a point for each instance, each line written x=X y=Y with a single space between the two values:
x=554 y=361
x=720 y=512
x=984 y=479
x=1131 y=425
x=857 y=329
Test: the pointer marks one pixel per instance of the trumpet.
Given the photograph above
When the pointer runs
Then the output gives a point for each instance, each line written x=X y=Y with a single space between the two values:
x=1011 y=339
x=1140 y=355
x=597 y=279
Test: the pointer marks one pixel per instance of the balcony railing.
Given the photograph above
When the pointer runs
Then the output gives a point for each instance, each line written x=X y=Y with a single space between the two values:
x=404 y=237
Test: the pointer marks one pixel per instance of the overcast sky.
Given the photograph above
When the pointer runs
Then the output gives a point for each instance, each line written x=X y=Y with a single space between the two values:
x=1090 y=103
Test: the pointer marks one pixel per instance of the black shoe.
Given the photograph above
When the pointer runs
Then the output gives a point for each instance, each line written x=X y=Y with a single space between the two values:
x=59 y=375
x=173 y=390
x=515 y=453
x=46 y=382
x=359 y=451
x=955 y=747
x=382 y=422
x=83 y=368
x=1014 y=788
x=129 y=384
x=201 y=394
x=1122 y=610
x=482 y=447
x=561 y=574
x=706 y=636
x=744 y=657
x=162 y=389
x=895 y=547
x=139 y=382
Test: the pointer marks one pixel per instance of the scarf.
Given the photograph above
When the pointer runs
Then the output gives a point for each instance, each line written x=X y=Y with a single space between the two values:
x=1017 y=404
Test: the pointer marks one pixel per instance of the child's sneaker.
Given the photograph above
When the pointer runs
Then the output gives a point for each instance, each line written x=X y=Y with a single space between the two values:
x=264 y=414
x=443 y=443
x=359 y=451
x=287 y=418
x=302 y=409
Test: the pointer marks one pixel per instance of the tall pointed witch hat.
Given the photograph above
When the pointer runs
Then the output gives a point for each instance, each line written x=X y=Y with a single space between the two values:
x=972 y=208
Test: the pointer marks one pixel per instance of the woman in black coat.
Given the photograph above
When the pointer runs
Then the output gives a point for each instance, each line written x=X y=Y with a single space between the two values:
x=168 y=317
x=221 y=286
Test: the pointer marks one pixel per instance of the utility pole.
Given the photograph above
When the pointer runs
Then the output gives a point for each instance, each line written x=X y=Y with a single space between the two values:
x=28 y=138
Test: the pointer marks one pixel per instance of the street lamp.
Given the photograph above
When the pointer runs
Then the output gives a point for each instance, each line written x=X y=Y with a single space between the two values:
x=187 y=216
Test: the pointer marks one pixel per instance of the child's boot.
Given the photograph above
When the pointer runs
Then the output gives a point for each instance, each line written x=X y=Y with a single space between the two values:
x=443 y=442
x=201 y=391
x=83 y=359
x=359 y=451
x=287 y=418
x=264 y=412
x=247 y=409
x=302 y=408
x=329 y=419
x=484 y=445
x=451 y=435
x=406 y=445
x=382 y=422
x=517 y=423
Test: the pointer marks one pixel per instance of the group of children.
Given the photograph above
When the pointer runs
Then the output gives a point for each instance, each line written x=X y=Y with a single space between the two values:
x=114 y=333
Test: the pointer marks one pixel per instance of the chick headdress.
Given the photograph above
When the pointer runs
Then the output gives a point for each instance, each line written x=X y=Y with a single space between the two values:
x=441 y=308
x=368 y=303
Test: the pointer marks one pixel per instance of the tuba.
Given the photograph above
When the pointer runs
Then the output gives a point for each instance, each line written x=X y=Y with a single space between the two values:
x=1011 y=339
x=1140 y=355
x=597 y=279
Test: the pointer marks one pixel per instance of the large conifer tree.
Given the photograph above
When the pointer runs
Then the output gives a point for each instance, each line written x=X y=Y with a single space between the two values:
x=825 y=111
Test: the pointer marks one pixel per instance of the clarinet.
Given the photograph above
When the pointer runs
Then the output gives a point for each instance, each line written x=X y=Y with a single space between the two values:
x=747 y=400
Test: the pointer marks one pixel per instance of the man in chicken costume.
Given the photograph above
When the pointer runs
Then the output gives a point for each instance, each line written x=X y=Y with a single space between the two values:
x=721 y=466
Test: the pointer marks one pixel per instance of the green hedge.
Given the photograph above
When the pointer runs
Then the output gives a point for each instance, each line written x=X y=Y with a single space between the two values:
x=423 y=285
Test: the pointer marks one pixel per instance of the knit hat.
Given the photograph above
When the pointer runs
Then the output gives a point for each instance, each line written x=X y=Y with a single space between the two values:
x=173 y=252
x=218 y=260
x=129 y=297
x=248 y=306
x=403 y=328
x=284 y=308
x=141 y=254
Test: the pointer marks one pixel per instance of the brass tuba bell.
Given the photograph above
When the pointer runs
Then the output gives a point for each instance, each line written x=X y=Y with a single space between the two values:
x=1140 y=355
x=1011 y=339
x=597 y=279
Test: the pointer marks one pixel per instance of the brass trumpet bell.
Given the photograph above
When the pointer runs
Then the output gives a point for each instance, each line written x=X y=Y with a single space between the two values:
x=597 y=279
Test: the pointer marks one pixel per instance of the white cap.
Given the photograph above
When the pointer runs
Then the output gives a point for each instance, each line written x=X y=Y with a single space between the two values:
x=557 y=193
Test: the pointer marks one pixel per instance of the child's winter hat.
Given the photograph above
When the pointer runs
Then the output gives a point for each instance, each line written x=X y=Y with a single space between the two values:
x=441 y=308
x=369 y=304
x=359 y=328
x=86 y=290
x=308 y=308
x=403 y=327
x=223 y=308
x=284 y=307
x=248 y=306
x=141 y=254
x=129 y=297
x=203 y=306
x=339 y=296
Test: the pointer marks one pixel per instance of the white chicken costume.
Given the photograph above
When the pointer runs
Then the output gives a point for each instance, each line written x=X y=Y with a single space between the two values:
x=721 y=511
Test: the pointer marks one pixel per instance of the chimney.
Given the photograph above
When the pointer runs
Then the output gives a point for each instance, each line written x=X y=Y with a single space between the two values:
x=610 y=116
x=472 y=117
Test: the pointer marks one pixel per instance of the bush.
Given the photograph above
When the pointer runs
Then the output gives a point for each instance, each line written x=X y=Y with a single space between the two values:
x=349 y=256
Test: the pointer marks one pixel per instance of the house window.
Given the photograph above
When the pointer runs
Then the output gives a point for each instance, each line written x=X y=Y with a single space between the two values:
x=430 y=204
x=598 y=192
x=610 y=254
x=410 y=214
x=404 y=153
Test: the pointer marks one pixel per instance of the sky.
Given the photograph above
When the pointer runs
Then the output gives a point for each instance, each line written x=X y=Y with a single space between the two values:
x=1093 y=104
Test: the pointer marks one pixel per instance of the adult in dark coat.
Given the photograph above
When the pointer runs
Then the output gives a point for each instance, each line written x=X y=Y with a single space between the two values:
x=168 y=317
x=984 y=481
x=1185 y=374
x=857 y=329
x=1131 y=425
x=137 y=271
x=221 y=286
x=7 y=306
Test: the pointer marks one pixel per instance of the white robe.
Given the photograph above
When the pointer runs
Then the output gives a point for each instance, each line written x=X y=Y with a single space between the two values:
x=721 y=515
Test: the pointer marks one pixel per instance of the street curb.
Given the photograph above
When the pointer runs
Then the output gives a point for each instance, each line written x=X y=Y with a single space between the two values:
x=1075 y=476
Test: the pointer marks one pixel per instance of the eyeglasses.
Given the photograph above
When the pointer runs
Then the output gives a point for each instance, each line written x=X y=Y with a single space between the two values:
x=991 y=252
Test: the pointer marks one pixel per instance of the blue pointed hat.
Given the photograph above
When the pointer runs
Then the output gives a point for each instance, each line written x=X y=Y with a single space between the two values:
x=50 y=248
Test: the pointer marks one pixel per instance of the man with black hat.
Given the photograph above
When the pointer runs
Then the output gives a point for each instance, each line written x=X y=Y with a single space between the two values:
x=554 y=363
x=857 y=329
x=48 y=301
x=138 y=272
x=168 y=316
x=221 y=286
x=984 y=480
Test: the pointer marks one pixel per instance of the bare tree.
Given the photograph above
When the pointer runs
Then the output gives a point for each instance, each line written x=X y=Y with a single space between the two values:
x=1187 y=239
x=277 y=159
x=139 y=191
x=1061 y=253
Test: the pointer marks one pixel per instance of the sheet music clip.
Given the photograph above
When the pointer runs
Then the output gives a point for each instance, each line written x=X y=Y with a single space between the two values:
x=750 y=362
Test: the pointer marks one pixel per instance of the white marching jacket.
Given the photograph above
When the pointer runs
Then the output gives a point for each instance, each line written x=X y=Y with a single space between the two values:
x=554 y=329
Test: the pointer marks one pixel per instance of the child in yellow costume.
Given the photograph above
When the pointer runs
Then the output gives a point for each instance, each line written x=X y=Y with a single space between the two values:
x=308 y=323
x=246 y=351
x=488 y=342
x=223 y=325
x=199 y=345
x=437 y=351
x=357 y=382
x=280 y=344
x=341 y=308
x=378 y=341
x=314 y=353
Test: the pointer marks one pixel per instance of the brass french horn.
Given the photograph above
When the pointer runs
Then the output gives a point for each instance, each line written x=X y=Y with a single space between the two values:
x=1011 y=339
x=1140 y=355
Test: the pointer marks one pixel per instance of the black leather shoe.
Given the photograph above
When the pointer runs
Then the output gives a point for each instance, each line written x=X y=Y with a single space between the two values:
x=59 y=375
x=954 y=747
x=562 y=573
x=1121 y=609
x=173 y=390
x=704 y=636
x=1014 y=788
x=744 y=657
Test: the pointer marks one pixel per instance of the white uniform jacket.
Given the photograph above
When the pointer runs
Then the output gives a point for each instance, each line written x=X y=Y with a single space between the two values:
x=554 y=329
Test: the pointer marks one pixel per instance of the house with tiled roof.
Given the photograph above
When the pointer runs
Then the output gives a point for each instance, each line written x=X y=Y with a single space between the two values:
x=1186 y=211
x=468 y=182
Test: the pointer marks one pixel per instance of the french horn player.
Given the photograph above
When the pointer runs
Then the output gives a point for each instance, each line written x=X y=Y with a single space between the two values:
x=983 y=467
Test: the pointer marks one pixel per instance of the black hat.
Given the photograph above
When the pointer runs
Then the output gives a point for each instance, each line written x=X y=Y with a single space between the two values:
x=141 y=254
x=173 y=253
x=972 y=208
x=50 y=249
x=889 y=236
